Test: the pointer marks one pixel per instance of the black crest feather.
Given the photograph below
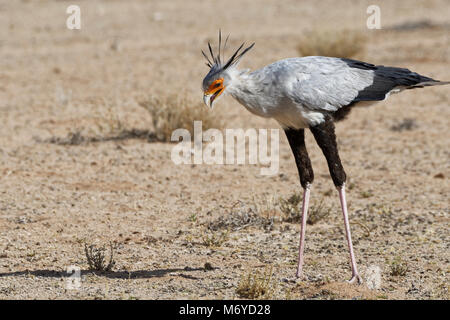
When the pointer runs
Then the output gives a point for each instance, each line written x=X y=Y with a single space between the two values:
x=216 y=60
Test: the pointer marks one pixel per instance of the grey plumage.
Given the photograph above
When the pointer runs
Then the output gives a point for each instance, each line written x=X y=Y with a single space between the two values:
x=303 y=92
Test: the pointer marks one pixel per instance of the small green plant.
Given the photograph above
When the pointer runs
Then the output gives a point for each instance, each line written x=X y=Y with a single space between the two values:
x=96 y=257
x=398 y=267
x=215 y=239
x=365 y=194
x=256 y=285
x=351 y=185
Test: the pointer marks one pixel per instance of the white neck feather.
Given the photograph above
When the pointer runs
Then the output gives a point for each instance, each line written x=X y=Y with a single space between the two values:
x=246 y=88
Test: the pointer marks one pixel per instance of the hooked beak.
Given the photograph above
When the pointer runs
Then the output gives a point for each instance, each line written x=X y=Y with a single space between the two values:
x=208 y=99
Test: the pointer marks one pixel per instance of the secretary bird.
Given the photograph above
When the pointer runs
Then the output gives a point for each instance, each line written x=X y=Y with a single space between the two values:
x=309 y=92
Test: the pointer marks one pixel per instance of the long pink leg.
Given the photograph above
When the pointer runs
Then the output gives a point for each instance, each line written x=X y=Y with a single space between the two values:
x=305 y=205
x=355 y=275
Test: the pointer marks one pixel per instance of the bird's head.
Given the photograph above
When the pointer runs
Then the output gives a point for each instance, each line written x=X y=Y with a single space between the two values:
x=220 y=74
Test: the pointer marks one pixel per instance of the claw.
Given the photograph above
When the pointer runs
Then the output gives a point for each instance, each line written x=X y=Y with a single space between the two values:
x=355 y=278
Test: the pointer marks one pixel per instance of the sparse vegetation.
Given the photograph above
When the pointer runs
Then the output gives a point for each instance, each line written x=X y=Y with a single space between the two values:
x=318 y=212
x=365 y=194
x=177 y=111
x=379 y=208
x=398 y=267
x=241 y=218
x=406 y=124
x=96 y=257
x=168 y=113
x=292 y=210
x=332 y=43
x=256 y=285
x=208 y=266
x=215 y=239
x=193 y=218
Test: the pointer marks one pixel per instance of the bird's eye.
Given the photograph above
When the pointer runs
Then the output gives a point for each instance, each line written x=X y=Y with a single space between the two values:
x=217 y=85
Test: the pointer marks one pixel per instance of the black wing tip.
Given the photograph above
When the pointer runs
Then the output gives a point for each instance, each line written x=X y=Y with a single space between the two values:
x=429 y=83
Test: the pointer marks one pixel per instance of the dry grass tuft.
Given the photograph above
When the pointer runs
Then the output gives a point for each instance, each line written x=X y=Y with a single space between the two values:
x=292 y=210
x=406 y=124
x=318 y=212
x=255 y=285
x=177 y=111
x=214 y=240
x=332 y=43
x=242 y=216
x=96 y=257
x=398 y=267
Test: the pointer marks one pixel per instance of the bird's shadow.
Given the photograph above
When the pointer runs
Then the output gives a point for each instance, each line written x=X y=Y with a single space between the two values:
x=77 y=138
x=137 y=274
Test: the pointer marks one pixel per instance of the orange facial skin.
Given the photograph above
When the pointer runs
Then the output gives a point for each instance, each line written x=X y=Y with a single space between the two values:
x=215 y=89
x=215 y=86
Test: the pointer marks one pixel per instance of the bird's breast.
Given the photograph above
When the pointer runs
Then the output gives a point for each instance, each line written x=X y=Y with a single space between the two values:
x=257 y=105
x=282 y=109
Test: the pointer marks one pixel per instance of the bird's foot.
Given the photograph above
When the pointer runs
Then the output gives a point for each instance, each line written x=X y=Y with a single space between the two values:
x=293 y=279
x=299 y=276
x=356 y=278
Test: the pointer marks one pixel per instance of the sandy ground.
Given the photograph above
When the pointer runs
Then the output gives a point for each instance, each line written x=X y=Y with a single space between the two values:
x=54 y=198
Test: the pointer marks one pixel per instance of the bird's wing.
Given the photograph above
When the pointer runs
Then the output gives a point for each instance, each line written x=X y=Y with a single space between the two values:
x=327 y=84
